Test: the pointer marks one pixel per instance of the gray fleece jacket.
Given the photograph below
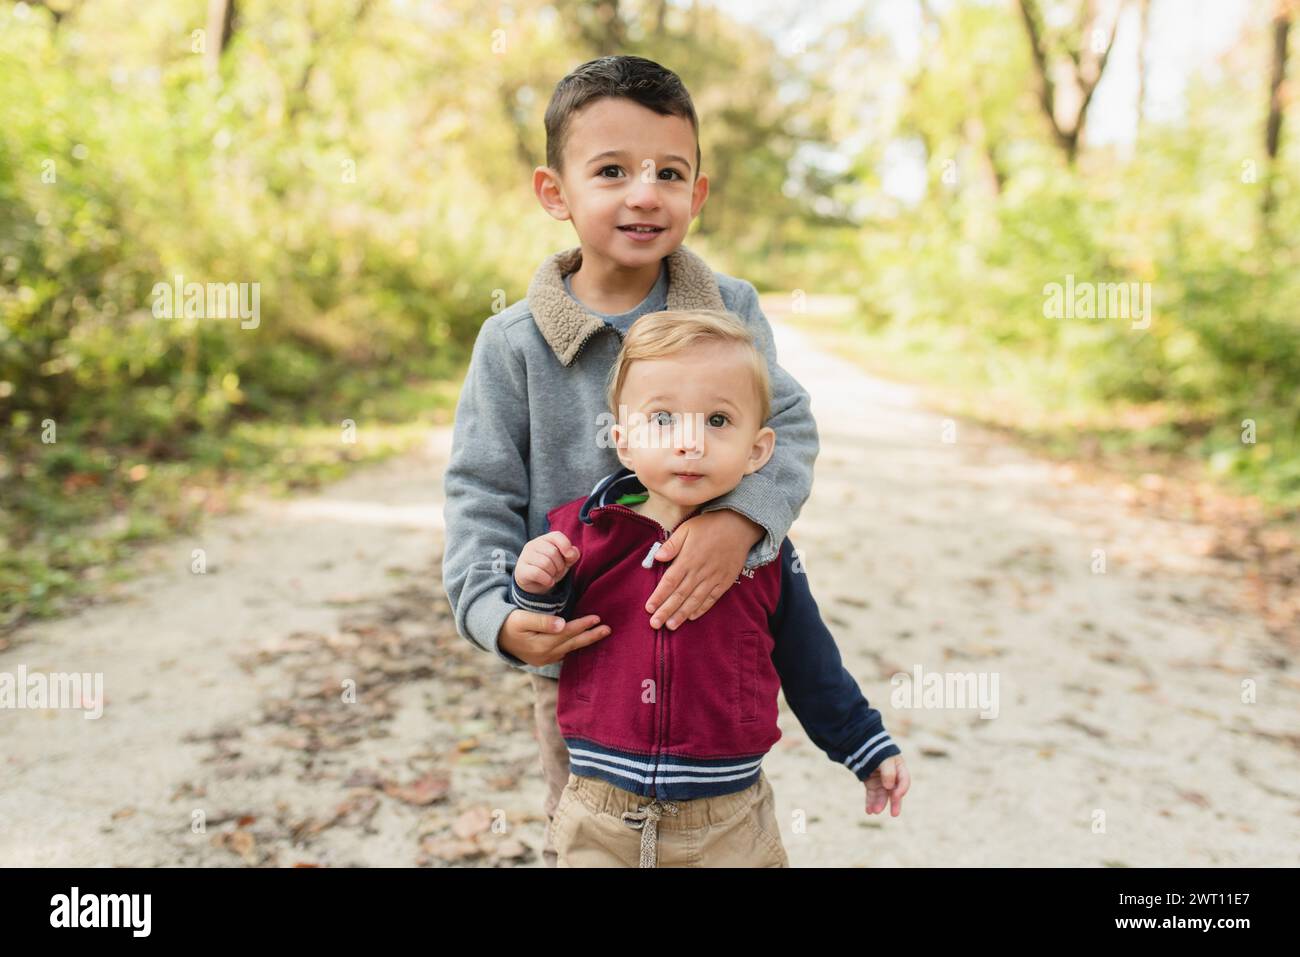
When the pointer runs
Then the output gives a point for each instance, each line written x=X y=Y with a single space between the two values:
x=531 y=433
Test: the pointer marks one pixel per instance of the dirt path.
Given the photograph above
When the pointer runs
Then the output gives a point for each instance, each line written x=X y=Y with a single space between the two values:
x=1121 y=735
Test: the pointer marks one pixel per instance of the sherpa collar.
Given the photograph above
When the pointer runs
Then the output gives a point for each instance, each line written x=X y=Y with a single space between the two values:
x=566 y=325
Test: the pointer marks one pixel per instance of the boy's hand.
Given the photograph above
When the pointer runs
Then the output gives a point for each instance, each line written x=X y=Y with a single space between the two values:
x=544 y=561
x=887 y=785
x=539 y=639
x=710 y=551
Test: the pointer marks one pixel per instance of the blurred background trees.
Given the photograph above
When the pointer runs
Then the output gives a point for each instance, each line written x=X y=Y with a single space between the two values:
x=368 y=163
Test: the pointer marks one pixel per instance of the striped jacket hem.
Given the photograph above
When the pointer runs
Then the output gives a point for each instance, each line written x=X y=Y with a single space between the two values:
x=673 y=777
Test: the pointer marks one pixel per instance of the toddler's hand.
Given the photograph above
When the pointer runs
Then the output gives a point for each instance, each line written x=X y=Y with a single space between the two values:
x=544 y=561
x=887 y=785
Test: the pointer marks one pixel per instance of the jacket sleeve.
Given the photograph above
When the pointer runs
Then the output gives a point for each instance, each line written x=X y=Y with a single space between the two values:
x=773 y=496
x=558 y=601
x=820 y=691
x=487 y=490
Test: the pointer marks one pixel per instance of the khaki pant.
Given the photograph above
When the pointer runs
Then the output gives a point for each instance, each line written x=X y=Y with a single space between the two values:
x=592 y=823
x=554 y=752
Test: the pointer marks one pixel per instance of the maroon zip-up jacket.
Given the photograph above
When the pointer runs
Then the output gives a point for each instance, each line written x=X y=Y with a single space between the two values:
x=691 y=712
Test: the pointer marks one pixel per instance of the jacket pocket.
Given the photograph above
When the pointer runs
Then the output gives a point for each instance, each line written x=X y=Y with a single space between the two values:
x=584 y=662
x=747 y=645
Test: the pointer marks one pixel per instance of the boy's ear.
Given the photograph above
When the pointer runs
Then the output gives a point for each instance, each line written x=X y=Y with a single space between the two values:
x=546 y=184
x=699 y=193
x=761 y=450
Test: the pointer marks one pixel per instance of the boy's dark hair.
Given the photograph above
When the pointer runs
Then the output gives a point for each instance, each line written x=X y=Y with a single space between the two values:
x=636 y=78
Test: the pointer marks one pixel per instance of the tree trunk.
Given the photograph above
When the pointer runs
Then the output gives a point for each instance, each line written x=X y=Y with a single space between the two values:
x=1273 y=130
x=221 y=27
x=1144 y=28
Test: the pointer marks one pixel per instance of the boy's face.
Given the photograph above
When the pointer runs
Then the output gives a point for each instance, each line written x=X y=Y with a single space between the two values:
x=649 y=178
x=693 y=412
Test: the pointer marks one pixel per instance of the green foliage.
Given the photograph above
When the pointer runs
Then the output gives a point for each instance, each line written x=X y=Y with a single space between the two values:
x=960 y=278
x=367 y=166
x=122 y=166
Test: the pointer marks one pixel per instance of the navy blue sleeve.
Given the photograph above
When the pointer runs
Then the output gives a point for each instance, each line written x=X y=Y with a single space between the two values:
x=819 y=689
x=558 y=601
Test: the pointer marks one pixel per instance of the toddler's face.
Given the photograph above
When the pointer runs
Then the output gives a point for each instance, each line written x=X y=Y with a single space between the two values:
x=649 y=179
x=689 y=425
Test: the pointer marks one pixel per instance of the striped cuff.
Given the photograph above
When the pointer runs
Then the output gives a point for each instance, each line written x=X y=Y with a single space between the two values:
x=551 y=602
x=869 y=756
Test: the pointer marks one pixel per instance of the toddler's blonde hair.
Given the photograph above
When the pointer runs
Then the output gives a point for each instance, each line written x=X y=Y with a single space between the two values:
x=659 y=334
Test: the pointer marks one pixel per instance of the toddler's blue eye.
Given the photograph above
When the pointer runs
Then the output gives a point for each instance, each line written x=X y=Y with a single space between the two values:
x=719 y=415
x=655 y=420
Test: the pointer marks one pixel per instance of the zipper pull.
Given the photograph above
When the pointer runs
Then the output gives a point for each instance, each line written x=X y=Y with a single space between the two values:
x=649 y=559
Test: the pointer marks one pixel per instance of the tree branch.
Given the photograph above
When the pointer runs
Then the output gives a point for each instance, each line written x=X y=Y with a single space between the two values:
x=1046 y=89
x=1089 y=85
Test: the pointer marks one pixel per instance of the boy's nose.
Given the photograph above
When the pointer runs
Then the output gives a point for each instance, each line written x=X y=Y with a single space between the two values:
x=644 y=195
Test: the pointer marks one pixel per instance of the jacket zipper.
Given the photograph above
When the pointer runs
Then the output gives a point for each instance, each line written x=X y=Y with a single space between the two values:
x=661 y=697
x=661 y=693
x=582 y=345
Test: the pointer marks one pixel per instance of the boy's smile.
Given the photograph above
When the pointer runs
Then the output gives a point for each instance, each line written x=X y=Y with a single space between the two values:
x=625 y=166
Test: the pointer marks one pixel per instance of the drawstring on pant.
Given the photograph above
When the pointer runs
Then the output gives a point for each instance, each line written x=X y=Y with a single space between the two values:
x=646 y=820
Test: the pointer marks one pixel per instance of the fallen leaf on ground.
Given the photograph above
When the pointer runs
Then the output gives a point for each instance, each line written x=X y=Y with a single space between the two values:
x=434 y=786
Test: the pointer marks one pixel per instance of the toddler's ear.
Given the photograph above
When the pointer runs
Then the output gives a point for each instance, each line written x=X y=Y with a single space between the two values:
x=762 y=449
x=619 y=436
